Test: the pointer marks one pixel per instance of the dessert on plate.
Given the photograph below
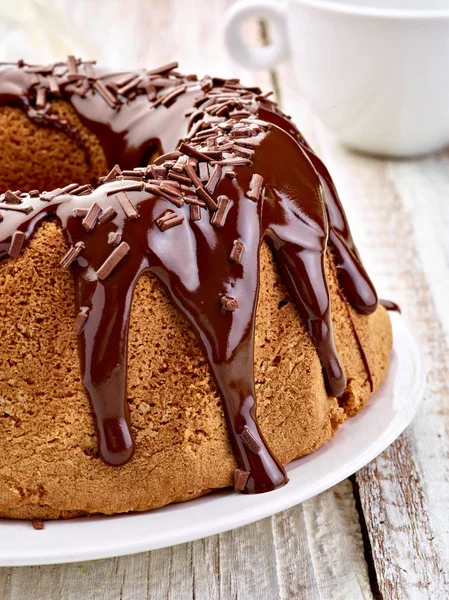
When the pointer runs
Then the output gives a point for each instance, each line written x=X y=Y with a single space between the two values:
x=182 y=305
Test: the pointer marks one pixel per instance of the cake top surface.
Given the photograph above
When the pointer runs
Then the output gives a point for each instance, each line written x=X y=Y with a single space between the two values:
x=196 y=217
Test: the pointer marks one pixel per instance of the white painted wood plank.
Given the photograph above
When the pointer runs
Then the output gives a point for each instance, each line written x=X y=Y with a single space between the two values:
x=5 y=583
x=248 y=562
x=325 y=538
x=206 y=568
x=313 y=551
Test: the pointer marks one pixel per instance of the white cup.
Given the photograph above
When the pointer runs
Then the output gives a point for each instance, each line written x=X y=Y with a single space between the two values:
x=375 y=71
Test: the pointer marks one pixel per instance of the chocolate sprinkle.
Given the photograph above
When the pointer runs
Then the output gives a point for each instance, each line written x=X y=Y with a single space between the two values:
x=151 y=92
x=229 y=304
x=112 y=261
x=129 y=86
x=219 y=217
x=201 y=192
x=164 y=69
x=237 y=251
x=236 y=162
x=37 y=524
x=41 y=98
x=105 y=93
x=80 y=213
x=89 y=70
x=12 y=198
x=23 y=209
x=72 y=255
x=179 y=177
x=53 y=84
x=170 y=189
x=72 y=65
x=250 y=441
x=193 y=176
x=250 y=142
x=193 y=152
x=16 y=244
x=90 y=220
x=195 y=212
x=67 y=189
x=121 y=83
x=80 y=320
x=171 y=95
x=240 y=479
x=114 y=238
x=180 y=164
x=157 y=191
x=107 y=215
x=113 y=173
x=123 y=186
x=49 y=196
x=203 y=169
x=255 y=187
x=81 y=190
x=194 y=200
x=168 y=220
x=167 y=156
x=247 y=152
x=214 y=179
x=127 y=206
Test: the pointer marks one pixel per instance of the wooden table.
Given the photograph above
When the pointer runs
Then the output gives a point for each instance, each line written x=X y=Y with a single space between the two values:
x=384 y=533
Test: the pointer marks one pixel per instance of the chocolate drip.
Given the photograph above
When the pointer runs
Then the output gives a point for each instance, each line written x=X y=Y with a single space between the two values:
x=297 y=232
x=389 y=305
x=252 y=183
x=352 y=275
x=355 y=281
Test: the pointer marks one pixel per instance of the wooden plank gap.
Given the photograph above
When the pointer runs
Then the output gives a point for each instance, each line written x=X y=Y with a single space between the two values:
x=368 y=550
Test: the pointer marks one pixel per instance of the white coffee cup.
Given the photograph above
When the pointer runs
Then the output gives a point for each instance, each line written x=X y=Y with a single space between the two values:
x=375 y=71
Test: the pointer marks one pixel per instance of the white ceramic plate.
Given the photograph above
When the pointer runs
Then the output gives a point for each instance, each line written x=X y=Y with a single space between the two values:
x=357 y=442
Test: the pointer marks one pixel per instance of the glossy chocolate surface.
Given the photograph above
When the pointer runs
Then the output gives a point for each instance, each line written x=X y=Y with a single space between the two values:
x=264 y=183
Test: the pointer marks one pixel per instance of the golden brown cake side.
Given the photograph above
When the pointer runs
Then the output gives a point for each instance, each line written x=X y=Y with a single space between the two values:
x=50 y=467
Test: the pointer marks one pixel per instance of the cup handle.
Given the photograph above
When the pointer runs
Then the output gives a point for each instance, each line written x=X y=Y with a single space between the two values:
x=256 y=58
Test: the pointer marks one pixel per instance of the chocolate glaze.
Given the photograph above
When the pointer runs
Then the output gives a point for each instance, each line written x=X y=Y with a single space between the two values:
x=131 y=131
x=128 y=132
x=352 y=275
x=298 y=213
x=389 y=305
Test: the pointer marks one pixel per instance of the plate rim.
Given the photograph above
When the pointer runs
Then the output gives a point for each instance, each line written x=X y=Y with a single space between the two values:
x=277 y=501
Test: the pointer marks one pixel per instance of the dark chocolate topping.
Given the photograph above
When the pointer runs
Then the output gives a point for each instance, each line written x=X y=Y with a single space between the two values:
x=389 y=305
x=113 y=105
x=187 y=205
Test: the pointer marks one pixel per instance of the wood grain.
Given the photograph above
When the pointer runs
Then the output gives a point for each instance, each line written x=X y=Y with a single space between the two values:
x=313 y=552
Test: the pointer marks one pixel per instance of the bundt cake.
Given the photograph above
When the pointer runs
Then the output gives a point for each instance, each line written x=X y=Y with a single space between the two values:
x=144 y=311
